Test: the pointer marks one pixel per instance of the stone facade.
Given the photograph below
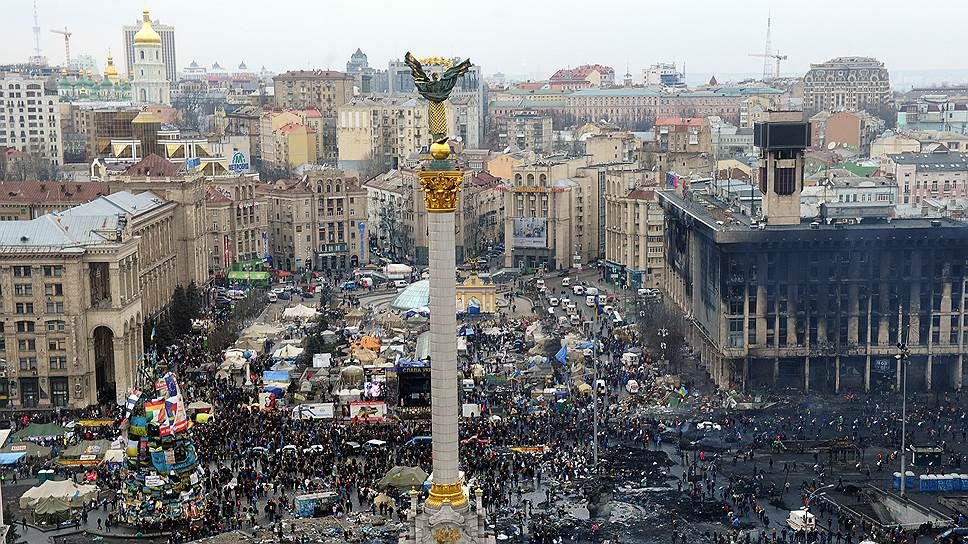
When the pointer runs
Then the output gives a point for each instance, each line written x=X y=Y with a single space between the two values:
x=853 y=83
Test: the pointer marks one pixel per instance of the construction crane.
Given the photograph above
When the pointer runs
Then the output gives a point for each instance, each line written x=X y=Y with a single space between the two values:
x=67 y=46
x=776 y=56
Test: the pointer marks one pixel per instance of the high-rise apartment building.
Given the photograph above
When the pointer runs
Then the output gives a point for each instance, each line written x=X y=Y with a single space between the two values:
x=167 y=35
x=30 y=118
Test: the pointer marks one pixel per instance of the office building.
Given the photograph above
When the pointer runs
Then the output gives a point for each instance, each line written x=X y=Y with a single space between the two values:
x=73 y=286
x=30 y=118
x=166 y=35
x=820 y=304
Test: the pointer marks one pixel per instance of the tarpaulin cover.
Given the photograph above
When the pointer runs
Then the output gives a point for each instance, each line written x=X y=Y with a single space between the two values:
x=11 y=458
x=275 y=376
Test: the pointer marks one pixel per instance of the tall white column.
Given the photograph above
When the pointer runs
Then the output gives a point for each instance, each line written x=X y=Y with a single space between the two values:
x=443 y=346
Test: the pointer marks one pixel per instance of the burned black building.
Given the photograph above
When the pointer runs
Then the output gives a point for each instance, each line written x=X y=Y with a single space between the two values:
x=817 y=304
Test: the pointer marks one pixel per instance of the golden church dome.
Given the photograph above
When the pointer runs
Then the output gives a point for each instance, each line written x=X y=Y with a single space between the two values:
x=147 y=35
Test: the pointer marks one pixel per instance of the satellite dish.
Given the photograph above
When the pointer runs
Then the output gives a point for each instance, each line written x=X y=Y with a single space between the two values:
x=831 y=146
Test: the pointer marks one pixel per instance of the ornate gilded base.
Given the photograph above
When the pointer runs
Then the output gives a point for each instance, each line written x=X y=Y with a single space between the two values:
x=441 y=189
x=441 y=493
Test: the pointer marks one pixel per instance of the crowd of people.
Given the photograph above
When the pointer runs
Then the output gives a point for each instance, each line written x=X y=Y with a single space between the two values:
x=529 y=454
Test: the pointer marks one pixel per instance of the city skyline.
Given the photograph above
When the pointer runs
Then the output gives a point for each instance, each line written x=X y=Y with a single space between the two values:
x=644 y=34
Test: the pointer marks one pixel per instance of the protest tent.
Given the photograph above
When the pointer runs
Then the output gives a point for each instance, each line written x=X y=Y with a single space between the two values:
x=288 y=351
x=66 y=490
x=85 y=453
x=401 y=477
x=299 y=311
x=40 y=430
x=52 y=510
x=30 y=449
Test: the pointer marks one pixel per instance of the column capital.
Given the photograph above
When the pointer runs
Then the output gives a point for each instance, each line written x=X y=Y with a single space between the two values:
x=441 y=189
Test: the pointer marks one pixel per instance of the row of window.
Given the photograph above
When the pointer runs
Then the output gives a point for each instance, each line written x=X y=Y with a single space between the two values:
x=27 y=289
x=50 y=271
x=53 y=325
x=26 y=308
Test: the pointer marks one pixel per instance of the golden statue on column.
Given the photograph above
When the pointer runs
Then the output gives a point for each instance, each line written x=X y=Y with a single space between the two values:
x=441 y=180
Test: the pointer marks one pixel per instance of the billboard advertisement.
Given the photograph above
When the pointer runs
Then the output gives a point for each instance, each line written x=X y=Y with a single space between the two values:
x=530 y=232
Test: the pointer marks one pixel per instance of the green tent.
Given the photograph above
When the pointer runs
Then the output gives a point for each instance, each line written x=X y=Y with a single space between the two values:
x=29 y=448
x=52 y=510
x=39 y=430
x=403 y=477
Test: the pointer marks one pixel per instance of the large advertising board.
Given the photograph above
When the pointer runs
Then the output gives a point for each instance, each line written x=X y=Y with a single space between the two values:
x=368 y=411
x=530 y=232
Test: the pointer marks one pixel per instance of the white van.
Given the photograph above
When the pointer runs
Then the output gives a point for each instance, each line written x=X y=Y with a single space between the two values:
x=552 y=301
x=591 y=290
x=590 y=301
x=575 y=319
x=400 y=284
x=566 y=281
x=579 y=290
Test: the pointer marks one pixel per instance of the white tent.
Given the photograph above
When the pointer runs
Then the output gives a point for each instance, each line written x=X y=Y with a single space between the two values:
x=66 y=490
x=261 y=330
x=299 y=311
x=288 y=351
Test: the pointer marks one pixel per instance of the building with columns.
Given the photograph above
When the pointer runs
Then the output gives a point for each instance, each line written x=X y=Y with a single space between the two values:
x=776 y=301
x=149 y=82
x=71 y=290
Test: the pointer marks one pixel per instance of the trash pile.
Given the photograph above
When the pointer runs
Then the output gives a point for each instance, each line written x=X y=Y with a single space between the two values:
x=360 y=527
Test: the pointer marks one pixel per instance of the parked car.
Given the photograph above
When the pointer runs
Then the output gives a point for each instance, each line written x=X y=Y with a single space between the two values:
x=578 y=290
x=349 y=285
x=400 y=284
x=566 y=281
x=272 y=297
x=285 y=295
x=552 y=301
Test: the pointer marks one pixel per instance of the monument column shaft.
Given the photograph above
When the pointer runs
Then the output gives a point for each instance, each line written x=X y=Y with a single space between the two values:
x=443 y=346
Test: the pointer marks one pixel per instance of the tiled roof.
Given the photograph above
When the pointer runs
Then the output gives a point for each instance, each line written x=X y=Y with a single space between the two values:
x=215 y=195
x=39 y=192
x=153 y=166
x=641 y=194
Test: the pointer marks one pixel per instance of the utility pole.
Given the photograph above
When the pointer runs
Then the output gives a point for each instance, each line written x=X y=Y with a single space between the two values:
x=902 y=359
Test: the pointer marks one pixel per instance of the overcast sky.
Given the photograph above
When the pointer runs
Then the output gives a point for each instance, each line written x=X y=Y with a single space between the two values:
x=516 y=37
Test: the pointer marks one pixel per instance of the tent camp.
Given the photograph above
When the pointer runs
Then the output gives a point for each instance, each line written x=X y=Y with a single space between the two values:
x=39 y=430
x=299 y=311
x=261 y=330
x=288 y=351
x=66 y=490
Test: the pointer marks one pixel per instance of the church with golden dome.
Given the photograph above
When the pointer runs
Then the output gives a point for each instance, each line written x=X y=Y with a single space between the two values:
x=149 y=83
x=88 y=86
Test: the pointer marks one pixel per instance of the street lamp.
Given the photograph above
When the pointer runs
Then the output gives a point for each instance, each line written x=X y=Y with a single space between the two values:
x=663 y=333
x=903 y=356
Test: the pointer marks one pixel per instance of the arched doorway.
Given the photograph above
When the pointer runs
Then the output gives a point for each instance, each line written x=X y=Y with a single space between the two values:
x=104 y=364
